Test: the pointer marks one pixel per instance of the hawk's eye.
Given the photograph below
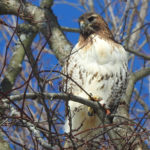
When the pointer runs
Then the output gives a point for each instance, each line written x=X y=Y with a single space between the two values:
x=90 y=19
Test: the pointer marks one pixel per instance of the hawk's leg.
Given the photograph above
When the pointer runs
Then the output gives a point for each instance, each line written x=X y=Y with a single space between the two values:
x=91 y=112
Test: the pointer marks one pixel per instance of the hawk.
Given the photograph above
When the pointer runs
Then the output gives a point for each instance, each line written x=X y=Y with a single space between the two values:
x=96 y=66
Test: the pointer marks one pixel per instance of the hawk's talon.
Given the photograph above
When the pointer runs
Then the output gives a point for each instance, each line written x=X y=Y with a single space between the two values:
x=95 y=98
x=108 y=112
x=91 y=111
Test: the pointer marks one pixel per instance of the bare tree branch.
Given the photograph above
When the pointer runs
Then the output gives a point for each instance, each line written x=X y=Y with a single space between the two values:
x=15 y=64
x=44 y=20
x=142 y=14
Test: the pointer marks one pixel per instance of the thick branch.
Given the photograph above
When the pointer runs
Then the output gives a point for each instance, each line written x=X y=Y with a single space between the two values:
x=15 y=64
x=133 y=78
x=44 y=20
x=123 y=109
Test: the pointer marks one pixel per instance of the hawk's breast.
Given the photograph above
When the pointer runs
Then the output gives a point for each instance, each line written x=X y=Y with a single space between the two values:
x=98 y=67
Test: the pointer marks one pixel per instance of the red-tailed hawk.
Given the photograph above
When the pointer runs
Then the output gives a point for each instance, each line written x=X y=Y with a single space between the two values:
x=97 y=66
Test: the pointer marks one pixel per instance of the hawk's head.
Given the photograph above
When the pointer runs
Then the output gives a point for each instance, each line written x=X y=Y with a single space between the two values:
x=91 y=23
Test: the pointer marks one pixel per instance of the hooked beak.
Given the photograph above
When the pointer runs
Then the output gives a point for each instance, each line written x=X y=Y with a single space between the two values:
x=82 y=25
